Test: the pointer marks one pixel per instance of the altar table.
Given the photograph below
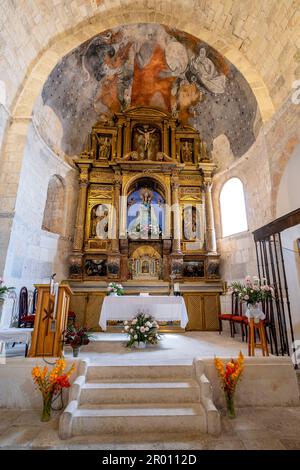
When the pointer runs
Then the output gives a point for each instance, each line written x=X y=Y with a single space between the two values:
x=162 y=308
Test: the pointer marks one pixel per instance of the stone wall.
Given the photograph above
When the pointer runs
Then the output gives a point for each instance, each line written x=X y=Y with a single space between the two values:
x=33 y=253
x=4 y=118
x=269 y=193
x=238 y=251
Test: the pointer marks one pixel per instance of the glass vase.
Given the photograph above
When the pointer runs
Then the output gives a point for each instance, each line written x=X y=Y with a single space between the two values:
x=76 y=351
x=139 y=344
x=46 y=413
x=230 y=405
x=254 y=311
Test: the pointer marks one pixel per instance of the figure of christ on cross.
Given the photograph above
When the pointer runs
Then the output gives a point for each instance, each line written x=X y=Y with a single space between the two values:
x=146 y=133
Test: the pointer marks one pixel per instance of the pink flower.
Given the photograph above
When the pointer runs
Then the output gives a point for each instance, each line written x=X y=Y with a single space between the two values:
x=142 y=329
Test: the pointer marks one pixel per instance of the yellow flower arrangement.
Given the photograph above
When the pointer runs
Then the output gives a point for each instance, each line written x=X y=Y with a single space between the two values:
x=229 y=374
x=51 y=383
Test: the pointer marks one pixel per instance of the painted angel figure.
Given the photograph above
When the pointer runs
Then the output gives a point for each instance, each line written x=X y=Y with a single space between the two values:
x=206 y=71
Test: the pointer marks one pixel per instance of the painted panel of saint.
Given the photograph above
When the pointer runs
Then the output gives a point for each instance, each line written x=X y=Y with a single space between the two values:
x=99 y=221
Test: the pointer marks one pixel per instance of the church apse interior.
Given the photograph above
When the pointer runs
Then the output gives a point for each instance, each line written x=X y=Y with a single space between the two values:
x=162 y=156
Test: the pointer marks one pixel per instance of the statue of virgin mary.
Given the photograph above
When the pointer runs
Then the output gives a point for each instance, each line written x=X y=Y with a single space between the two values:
x=145 y=223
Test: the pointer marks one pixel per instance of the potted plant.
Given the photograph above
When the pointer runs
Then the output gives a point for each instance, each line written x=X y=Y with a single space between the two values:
x=142 y=330
x=76 y=336
x=230 y=374
x=253 y=291
x=3 y=290
x=115 y=289
x=50 y=383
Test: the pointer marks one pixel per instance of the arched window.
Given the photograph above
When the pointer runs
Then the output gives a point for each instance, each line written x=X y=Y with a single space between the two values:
x=233 y=208
x=53 y=220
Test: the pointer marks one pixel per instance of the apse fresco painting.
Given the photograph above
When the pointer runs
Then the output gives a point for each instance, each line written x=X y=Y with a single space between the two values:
x=147 y=65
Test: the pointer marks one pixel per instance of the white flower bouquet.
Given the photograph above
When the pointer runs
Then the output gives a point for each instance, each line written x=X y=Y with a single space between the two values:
x=142 y=329
x=253 y=290
x=114 y=288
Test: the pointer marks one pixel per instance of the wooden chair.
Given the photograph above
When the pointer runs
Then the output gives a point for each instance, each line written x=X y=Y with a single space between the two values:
x=26 y=319
x=235 y=317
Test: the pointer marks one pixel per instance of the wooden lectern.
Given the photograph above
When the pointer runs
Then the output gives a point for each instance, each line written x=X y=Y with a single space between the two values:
x=50 y=321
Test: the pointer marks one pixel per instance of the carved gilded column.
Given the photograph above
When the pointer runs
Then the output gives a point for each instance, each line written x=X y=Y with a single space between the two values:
x=211 y=243
x=81 y=208
x=176 y=247
x=115 y=232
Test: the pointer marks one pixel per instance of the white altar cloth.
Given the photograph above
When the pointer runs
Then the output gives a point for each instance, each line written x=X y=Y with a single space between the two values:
x=162 y=308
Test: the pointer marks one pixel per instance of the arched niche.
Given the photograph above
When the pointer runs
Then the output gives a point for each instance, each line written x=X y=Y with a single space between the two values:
x=54 y=212
x=162 y=187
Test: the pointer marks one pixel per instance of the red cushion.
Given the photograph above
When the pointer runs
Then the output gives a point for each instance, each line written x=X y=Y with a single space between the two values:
x=28 y=318
x=237 y=318
x=225 y=316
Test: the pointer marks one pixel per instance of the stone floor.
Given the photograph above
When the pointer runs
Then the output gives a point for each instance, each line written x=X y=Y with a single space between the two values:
x=175 y=348
x=259 y=428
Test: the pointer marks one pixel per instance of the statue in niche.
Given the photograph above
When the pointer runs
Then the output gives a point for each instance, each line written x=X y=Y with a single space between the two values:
x=145 y=223
x=104 y=149
x=186 y=152
x=145 y=267
x=146 y=142
x=204 y=70
x=99 y=219
x=190 y=224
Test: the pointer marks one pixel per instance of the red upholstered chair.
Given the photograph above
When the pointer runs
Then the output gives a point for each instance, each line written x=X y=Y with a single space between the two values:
x=26 y=319
x=227 y=317
x=239 y=318
x=235 y=317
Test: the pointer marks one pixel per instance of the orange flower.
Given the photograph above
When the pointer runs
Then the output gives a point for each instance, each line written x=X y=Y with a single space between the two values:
x=52 y=382
x=230 y=372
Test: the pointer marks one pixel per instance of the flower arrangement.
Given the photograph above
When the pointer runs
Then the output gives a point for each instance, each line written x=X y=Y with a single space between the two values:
x=142 y=329
x=114 y=288
x=76 y=336
x=230 y=374
x=253 y=290
x=3 y=289
x=50 y=383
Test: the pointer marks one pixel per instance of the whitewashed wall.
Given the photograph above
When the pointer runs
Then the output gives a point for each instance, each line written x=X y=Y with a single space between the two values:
x=288 y=200
x=34 y=254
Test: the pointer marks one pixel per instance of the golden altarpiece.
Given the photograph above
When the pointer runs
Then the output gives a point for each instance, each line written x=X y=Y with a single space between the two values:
x=145 y=214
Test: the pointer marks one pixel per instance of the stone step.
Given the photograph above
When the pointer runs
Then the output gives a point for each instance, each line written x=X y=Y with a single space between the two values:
x=121 y=419
x=101 y=372
x=140 y=392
